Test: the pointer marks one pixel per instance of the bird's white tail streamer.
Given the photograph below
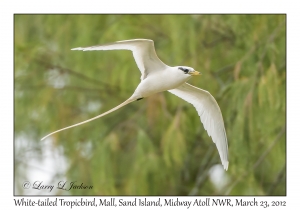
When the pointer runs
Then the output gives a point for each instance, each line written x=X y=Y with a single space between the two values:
x=94 y=118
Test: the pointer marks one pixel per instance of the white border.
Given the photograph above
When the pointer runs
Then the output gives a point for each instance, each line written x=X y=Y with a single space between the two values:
x=8 y=8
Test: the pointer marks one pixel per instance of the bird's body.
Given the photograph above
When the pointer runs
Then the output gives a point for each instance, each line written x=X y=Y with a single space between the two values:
x=169 y=78
x=157 y=77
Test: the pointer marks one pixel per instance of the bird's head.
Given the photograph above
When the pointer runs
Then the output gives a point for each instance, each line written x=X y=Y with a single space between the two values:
x=188 y=71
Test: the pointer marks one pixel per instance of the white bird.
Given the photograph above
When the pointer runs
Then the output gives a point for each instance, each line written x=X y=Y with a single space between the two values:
x=157 y=77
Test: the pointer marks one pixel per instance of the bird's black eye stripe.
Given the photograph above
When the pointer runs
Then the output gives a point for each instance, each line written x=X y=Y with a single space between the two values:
x=184 y=70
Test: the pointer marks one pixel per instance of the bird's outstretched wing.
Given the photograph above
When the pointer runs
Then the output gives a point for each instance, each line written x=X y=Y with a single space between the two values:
x=143 y=52
x=210 y=115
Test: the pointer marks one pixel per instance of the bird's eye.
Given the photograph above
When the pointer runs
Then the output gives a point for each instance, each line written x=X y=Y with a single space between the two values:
x=184 y=70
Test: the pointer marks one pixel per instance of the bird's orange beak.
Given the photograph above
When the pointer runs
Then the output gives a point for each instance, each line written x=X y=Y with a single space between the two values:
x=195 y=73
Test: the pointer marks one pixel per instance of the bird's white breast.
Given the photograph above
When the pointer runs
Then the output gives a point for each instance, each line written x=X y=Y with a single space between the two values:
x=159 y=81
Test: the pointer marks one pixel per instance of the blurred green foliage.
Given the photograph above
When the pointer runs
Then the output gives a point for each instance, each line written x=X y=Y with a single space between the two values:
x=156 y=146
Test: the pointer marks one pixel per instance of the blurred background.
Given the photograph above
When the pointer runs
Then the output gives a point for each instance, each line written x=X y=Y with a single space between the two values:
x=155 y=146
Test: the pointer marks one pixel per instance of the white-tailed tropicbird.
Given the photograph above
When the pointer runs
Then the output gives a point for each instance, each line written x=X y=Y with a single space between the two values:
x=157 y=77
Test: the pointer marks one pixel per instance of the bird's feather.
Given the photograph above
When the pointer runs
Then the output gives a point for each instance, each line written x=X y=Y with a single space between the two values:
x=210 y=115
x=94 y=118
x=143 y=52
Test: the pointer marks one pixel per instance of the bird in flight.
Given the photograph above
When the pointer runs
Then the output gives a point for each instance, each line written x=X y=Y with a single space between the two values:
x=157 y=77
